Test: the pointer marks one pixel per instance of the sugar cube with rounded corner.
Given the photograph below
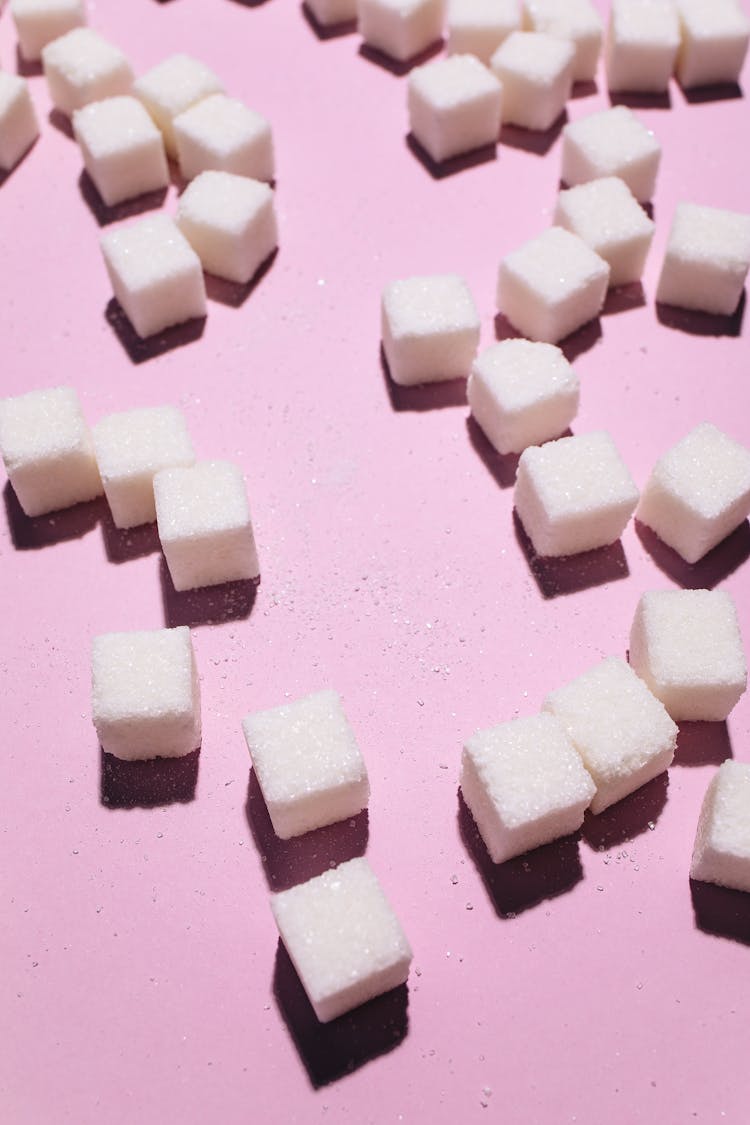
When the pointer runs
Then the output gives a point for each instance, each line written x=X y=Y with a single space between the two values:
x=19 y=127
x=430 y=329
x=536 y=72
x=478 y=27
x=223 y=135
x=330 y=13
x=171 y=87
x=643 y=37
x=715 y=36
x=123 y=151
x=576 y=20
x=706 y=260
x=609 y=219
x=721 y=853
x=401 y=29
x=611 y=142
x=454 y=106
x=230 y=222
x=38 y=22
x=83 y=67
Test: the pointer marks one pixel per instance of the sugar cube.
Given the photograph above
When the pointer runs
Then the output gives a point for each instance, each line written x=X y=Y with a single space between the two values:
x=230 y=222
x=221 y=133
x=19 y=127
x=309 y=767
x=606 y=215
x=536 y=72
x=454 y=106
x=155 y=273
x=329 y=13
x=203 y=519
x=715 y=36
x=344 y=940
x=576 y=20
x=552 y=285
x=173 y=86
x=123 y=151
x=698 y=492
x=401 y=28
x=131 y=447
x=38 y=22
x=430 y=329
x=478 y=27
x=706 y=260
x=146 y=694
x=622 y=732
x=47 y=449
x=83 y=67
x=686 y=646
x=522 y=393
x=574 y=494
x=643 y=38
x=722 y=844
x=611 y=142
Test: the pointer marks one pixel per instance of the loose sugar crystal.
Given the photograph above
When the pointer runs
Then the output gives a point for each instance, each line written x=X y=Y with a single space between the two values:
x=707 y=259
x=715 y=36
x=574 y=494
x=131 y=447
x=173 y=86
x=606 y=215
x=698 y=492
x=522 y=394
x=576 y=20
x=722 y=844
x=622 y=732
x=643 y=38
x=454 y=106
x=222 y=134
x=430 y=329
x=478 y=27
x=343 y=938
x=612 y=142
x=146 y=694
x=308 y=764
x=19 y=127
x=686 y=646
x=536 y=72
x=47 y=450
x=203 y=519
x=38 y=22
x=123 y=151
x=401 y=28
x=329 y=13
x=83 y=67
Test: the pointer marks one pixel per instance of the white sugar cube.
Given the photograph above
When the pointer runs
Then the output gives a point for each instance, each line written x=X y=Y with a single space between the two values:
x=622 y=732
x=576 y=20
x=203 y=518
x=173 y=86
x=230 y=222
x=722 y=844
x=131 y=447
x=706 y=260
x=698 y=492
x=401 y=28
x=19 y=127
x=343 y=938
x=612 y=142
x=525 y=785
x=430 y=329
x=574 y=494
x=123 y=151
x=155 y=273
x=536 y=72
x=146 y=694
x=686 y=646
x=38 y=22
x=552 y=285
x=478 y=27
x=715 y=36
x=308 y=764
x=47 y=450
x=454 y=106
x=643 y=38
x=329 y=13
x=83 y=67
x=221 y=133
x=522 y=394
x=609 y=219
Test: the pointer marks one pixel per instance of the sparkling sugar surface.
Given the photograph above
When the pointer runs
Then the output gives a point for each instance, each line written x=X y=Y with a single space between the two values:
x=555 y=265
x=83 y=67
x=142 y=674
x=147 y=252
x=611 y=142
x=722 y=845
x=478 y=27
x=452 y=82
x=39 y=22
x=171 y=87
x=223 y=133
x=576 y=20
x=606 y=215
x=205 y=498
x=708 y=470
x=18 y=124
x=41 y=424
x=114 y=126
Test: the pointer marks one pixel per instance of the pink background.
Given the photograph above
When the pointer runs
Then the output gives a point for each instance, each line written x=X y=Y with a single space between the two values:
x=141 y=978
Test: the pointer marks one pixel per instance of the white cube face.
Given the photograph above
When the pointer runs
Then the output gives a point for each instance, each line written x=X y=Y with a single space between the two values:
x=722 y=844
x=575 y=20
x=123 y=151
x=230 y=222
x=401 y=29
x=715 y=36
x=19 y=127
x=536 y=73
x=622 y=732
x=430 y=329
x=329 y=13
x=308 y=764
x=643 y=38
x=222 y=134
x=707 y=259
x=454 y=106
x=146 y=699
x=574 y=494
x=38 y=22
x=525 y=785
x=686 y=646
x=612 y=142
x=344 y=940
x=609 y=219
x=83 y=67
x=478 y=27
x=173 y=86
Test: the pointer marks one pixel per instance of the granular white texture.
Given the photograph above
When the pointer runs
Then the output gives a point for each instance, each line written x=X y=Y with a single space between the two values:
x=536 y=72
x=706 y=260
x=38 y=22
x=222 y=134
x=722 y=844
x=715 y=36
x=430 y=329
x=611 y=142
x=643 y=38
x=171 y=87
x=83 y=67
x=454 y=106
x=343 y=937
x=478 y=27
x=576 y=20
x=329 y=13
x=401 y=28
x=606 y=215
x=19 y=127
x=123 y=151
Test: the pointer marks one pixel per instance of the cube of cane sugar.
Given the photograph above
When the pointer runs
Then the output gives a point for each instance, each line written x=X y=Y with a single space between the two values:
x=401 y=28
x=308 y=764
x=536 y=72
x=686 y=646
x=454 y=106
x=525 y=785
x=146 y=694
x=576 y=20
x=715 y=36
x=155 y=273
x=222 y=134
x=552 y=285
x=38 y=22
x=343 y=938
x=131 y=447
x=123 y=151
x=173 y=86
x=47 y=450
x=19 y=127
x=522 y=394
x=722 y=843
x=612 y=142
x=203 y=519
x=707 y=259
x=606 y=215
x=83 y=67
x=622 y=732
x=329 y=13
x=643 y=38
x=478 y=27
x=230 y=223
x=698 y=492
x=430 y=329
x=574 y=494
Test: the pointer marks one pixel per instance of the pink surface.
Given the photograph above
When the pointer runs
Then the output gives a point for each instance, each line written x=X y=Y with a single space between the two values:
x=141 y=976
